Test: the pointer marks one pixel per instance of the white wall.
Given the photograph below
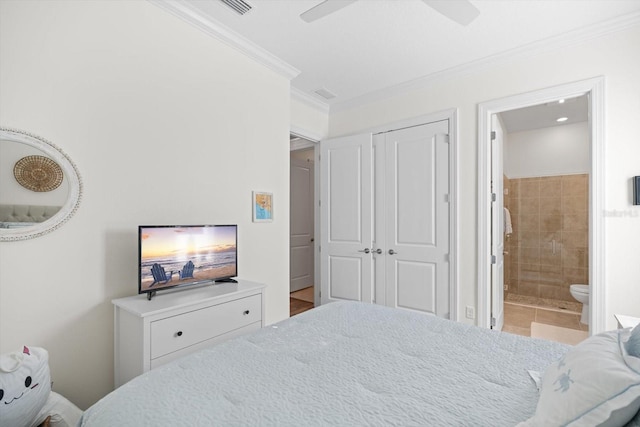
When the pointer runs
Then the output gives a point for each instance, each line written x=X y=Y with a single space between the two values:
x=556 y=150
x=616 y=57
x=308 y=120
x=166 y=125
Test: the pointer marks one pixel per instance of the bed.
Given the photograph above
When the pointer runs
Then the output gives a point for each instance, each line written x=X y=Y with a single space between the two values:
x=350 y=363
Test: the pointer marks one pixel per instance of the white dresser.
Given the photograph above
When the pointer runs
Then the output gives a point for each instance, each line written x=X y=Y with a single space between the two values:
x=174 y=323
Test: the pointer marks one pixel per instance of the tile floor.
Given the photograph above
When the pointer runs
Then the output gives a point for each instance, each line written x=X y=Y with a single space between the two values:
x=518 y=318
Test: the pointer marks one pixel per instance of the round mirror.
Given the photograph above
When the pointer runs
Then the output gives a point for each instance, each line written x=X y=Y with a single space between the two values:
x=40 y=187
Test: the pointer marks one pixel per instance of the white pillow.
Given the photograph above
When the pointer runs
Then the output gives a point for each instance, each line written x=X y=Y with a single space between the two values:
x=595 y=383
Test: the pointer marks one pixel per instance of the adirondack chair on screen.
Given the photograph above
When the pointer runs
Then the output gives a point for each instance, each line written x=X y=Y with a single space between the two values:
x=187 y=271
x=159 y=275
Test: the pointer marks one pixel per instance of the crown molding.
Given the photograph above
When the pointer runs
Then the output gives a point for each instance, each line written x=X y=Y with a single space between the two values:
x=224 y=34
x=562 y=41
x=309 y=100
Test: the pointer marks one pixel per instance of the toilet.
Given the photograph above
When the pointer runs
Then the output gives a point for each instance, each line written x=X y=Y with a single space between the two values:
x=581 y=294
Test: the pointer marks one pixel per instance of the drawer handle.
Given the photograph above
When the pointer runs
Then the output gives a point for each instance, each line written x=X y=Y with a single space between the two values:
x=179 y=333
x=246 y=312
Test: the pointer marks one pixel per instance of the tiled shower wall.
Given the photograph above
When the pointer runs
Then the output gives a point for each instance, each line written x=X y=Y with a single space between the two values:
x=549 y=248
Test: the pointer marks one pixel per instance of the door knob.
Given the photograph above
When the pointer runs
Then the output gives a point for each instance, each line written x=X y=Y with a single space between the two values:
x=378 y=251
x=365 y=250
x=392 y=252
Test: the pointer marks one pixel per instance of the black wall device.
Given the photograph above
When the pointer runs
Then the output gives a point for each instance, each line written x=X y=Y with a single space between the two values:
x=636 y=190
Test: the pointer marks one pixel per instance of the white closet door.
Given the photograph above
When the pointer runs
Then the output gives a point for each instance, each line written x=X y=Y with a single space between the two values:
x=417 y=218
x=346 y=213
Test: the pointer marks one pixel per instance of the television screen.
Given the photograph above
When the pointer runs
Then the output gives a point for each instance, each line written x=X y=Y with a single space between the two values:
x=179 y=255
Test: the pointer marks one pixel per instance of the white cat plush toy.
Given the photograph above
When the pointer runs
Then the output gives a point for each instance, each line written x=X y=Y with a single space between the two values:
x=25 y=386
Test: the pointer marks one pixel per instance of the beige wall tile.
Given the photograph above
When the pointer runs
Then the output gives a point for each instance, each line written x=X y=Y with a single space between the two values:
x=529 y=239
x=551 y=186
x=544 y=210
x=514 y=188
x=550 y=222
x=514 y=208
x=550 y=260
x=575 y=184
x=551 y=205
x=530 y=255
x=555 y=292
x=576 y=275
x=529 y=205
x=551 y=278
x=575 y=204
x=529 y=188
x=528 y=222
x=547 y=237
x=575 y=221
x=575 y=239
x=526 y=287
x=575 y=257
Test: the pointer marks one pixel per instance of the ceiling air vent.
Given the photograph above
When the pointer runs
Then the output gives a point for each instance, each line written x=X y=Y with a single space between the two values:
x=238 y=5
x=325 y=93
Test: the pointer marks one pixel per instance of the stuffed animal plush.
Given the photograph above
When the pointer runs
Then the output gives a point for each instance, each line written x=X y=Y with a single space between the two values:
x=25 y=385
x=633 y=345
x=26 y=399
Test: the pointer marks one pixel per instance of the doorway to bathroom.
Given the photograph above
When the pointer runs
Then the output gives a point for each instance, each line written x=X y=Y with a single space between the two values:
x=540 y=229
x=545 y=202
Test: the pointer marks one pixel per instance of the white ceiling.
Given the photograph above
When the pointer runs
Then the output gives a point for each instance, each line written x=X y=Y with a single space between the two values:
x=377 y=46
x=546 y=115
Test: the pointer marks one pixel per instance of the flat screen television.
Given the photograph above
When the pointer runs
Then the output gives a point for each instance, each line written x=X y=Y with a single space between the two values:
x=185 y=255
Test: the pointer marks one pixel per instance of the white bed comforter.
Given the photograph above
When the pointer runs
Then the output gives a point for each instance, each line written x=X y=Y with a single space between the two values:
x=344 y=363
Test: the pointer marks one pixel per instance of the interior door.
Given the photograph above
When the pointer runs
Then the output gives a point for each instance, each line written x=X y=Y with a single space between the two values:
x=497 y=225
x=301 y=225
x=416 y=220
x=346 y=212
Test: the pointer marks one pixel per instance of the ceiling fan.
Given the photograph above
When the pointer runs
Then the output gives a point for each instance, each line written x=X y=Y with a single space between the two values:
x=460 y=11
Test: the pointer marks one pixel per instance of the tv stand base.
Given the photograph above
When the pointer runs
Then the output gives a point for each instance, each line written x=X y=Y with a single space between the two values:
x=227 y=281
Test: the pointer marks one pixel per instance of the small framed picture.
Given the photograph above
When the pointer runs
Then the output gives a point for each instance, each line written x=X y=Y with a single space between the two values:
x=262 y=206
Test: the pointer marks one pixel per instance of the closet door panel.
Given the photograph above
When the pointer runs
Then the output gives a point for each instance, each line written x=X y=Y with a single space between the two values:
x=415 y=192
x=345 y=278
x=423 y=297
x=417 y=219
x=346 y=211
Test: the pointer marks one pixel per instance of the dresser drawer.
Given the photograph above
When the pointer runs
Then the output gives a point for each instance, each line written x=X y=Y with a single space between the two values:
x=186 y=329
x=159 y=361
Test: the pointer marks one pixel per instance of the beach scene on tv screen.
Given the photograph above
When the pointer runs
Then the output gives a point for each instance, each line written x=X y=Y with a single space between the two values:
x=175 y=256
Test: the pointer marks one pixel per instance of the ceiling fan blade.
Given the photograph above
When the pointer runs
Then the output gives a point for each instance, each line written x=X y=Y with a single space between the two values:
x=460 y=11
x=323 y=9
